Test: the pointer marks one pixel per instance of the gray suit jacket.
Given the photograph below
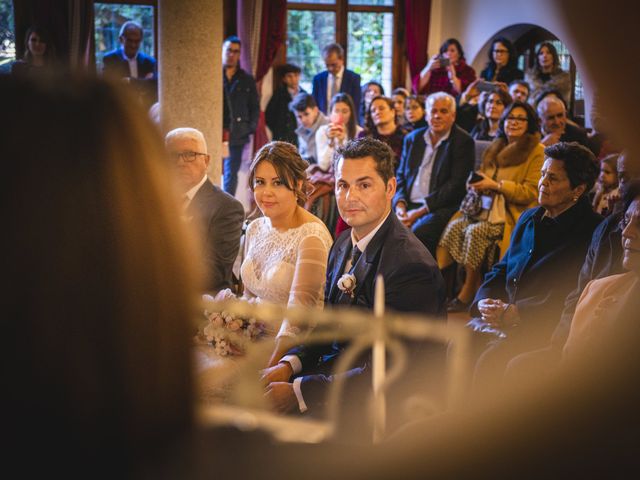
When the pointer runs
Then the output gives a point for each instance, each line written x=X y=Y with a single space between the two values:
x=218 y=217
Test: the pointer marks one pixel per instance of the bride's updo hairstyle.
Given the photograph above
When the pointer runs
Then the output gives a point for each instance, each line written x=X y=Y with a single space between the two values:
x=289 y=166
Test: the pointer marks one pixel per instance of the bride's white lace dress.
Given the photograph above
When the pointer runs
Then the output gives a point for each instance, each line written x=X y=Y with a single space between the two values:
x=286 y=268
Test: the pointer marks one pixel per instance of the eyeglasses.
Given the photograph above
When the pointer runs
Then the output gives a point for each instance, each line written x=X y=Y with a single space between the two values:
x=500 y=50
x=186 y=157
x=517 y=119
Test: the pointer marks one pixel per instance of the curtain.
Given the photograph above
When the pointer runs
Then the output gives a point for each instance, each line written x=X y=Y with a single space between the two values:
x=417 y=15
x=261 y=28
x=81 y=32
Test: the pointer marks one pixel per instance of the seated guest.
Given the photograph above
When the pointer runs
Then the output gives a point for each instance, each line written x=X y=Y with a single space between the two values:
x=376 y=244
x=341 y=128
x=546 y=73
x=522 y=296
x=491 y=105
x=502 y=64
x=603 y=258
x=452 y=78
x=39 y=53
x=414 y=112
x=370 y=90
x=310 y=119
x=216 y=215
x=280 y=120
x=555 y=127
x=468 y=113
x=335 y=79
x=604 y=299
x=433 y=169
x=382 y=126
x=520 y=91
x=129 y=63
x=508 y=178
x=607 y=186
x=399 y=95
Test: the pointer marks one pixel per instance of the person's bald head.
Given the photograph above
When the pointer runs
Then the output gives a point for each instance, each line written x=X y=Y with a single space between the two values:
x=553 y=114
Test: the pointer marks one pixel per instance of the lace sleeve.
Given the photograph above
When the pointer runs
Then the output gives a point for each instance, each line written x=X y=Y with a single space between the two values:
x=307 y=287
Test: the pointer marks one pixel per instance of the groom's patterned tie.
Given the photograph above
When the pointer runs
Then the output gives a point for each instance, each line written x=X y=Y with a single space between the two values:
x=355 y=255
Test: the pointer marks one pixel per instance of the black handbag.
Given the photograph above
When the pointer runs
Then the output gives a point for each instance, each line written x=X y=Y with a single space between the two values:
x=477 y=205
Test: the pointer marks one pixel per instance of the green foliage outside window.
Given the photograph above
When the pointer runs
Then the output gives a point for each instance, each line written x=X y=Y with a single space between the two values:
x=7 y=35
x=307 y=32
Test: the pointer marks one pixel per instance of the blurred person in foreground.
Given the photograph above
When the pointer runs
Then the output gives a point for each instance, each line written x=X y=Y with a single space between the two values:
x=97 y=309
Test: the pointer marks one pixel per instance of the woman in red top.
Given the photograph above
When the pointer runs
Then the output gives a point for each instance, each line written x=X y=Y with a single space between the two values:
x=452 y=78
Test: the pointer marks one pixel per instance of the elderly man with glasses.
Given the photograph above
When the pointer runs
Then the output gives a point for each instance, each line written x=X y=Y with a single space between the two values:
x=217 y=215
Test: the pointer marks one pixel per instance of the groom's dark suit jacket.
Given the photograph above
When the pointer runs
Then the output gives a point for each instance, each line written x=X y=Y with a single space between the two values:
x=412 y=282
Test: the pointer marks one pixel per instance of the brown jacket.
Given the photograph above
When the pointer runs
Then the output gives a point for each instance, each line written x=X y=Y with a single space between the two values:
x=519 y=166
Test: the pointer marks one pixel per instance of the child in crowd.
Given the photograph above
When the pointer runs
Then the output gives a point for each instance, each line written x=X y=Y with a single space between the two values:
x=607 y=186
x=309 y=118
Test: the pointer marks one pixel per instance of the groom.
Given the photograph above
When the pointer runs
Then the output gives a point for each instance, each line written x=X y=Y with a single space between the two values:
x=377 y=243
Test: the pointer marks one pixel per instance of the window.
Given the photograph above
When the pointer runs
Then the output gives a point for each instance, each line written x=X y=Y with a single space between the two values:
x=307 y=32
x=370 y=46
x=109 y=17
x=365 y=27
x=7 y=36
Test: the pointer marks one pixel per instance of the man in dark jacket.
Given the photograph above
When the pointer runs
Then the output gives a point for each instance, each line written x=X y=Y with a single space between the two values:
x=241 y=111
x=434 y=166
x=280 y=120
x=129 y=63
x=335 y=79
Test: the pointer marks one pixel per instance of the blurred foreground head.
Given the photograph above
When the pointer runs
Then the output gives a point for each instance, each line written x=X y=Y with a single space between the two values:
x=98 y=284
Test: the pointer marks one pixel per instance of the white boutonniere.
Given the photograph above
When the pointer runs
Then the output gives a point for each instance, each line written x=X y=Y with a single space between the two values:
x=347 y=283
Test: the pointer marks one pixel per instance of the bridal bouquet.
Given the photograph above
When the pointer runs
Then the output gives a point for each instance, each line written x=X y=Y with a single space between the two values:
x=229 y=334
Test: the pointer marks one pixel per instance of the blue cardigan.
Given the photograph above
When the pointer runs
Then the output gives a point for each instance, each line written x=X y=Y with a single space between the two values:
x=541 y=267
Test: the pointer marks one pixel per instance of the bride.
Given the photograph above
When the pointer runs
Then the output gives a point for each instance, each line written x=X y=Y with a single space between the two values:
x=286 y=249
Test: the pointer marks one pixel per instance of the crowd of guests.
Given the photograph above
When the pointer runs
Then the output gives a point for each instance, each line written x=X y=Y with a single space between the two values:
x=354 y=184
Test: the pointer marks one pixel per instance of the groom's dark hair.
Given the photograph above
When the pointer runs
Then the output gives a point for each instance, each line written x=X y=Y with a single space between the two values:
x=369 y=147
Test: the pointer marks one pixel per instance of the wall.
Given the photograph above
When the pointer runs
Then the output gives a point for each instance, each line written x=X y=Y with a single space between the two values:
x=476 y=22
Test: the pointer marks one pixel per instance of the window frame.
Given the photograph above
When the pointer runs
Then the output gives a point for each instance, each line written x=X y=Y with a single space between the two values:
x=341 y=8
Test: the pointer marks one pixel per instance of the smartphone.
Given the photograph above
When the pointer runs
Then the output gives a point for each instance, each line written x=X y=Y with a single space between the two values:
x=484 y=86
x=444 y=61
x=474 y=177
x=336 y=119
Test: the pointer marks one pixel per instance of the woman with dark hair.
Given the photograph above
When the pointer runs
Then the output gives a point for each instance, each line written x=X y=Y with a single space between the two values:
x=414 y=112
x=517 y=307
x=341 y=129
x=399 y=95
x=492 y=105
x=287 y=248
x=382 y=126
x=39 y=53
x=546 y=74
x=508 y=179
x=370 y=90
x=447 y=71
x=502 y=64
